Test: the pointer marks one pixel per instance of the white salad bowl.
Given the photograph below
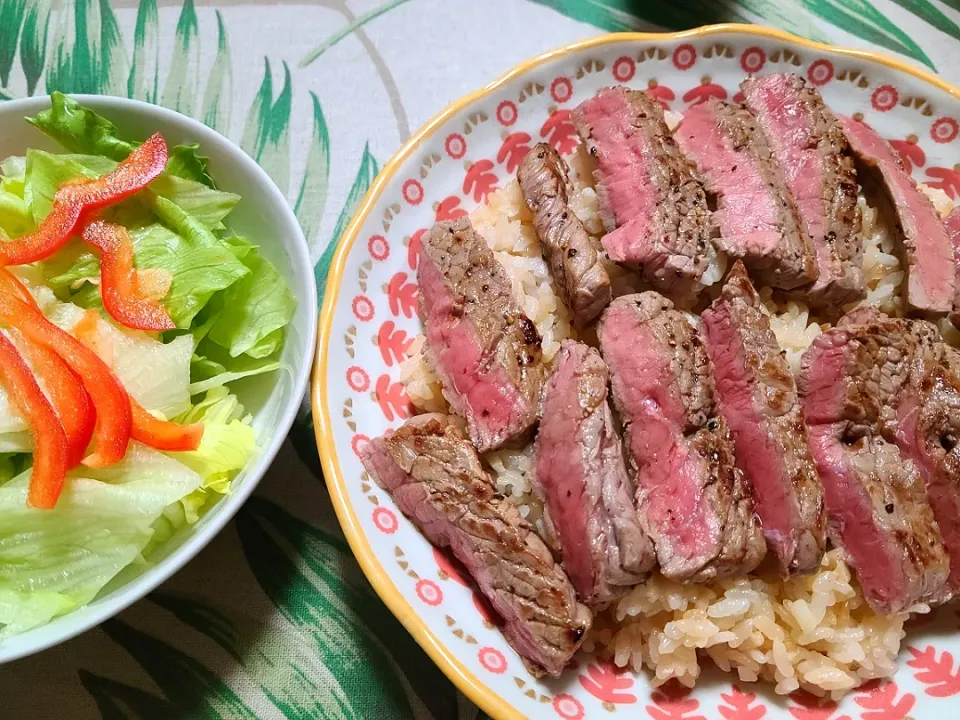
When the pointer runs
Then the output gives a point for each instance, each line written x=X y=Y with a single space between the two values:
x=369 y=318
x=262 y=215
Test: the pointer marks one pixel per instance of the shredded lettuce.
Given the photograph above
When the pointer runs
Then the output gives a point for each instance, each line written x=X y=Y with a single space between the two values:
x=53 y=561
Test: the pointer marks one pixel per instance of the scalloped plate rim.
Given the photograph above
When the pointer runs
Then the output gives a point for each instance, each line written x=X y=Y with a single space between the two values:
x=466 y=681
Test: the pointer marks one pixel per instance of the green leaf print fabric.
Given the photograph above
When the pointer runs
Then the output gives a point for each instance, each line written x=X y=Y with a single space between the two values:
x=274 y=619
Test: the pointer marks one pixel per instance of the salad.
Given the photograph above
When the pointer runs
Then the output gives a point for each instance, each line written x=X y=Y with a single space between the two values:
x=127 y=310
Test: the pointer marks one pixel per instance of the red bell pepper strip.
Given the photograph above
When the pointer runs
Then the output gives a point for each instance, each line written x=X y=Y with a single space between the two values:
x=110 y=400
x=74 y=200
x=162 y=434
x=66 y=393
x=119 y=285
x=49 y=439
x=11 y=284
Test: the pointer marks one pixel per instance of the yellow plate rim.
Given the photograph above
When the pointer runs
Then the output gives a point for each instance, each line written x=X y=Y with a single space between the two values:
x=471 y=686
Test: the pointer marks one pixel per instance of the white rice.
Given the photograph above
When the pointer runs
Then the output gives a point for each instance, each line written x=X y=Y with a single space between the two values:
x=814 y=633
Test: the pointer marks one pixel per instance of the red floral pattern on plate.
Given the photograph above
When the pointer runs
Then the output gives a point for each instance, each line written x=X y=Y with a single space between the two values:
x=358 y=379
x=820 y=72
x=455 y=146
x=739 y=705
x=884 y=98
x=413 y=192
x=684 y=56
x=944 y=130
x=624 y=69
x=385 y=520
x=378 y=247
x=429 y=592
x=753 y=60
x=568 y=707
x=561 y=89
x=507 y=113
x=493 y=660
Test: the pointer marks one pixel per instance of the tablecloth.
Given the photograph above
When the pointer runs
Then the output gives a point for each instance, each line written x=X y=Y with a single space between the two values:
x=274 y=618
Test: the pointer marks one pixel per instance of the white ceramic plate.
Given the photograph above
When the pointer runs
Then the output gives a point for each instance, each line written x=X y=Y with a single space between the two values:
x=369 y=316
x=261 y=215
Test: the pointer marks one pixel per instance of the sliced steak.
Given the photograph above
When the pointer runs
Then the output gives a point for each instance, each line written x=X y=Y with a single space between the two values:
x=925 y=248
x=809 y=146
x=851 y=379
x=758 y=397
x=755 y=214
x=582 y=479
x=569 y=250
x=653 y=205
x=436 y=479
x=952 y=223
x=692 y=499
x=928 y=432
x=482 y=347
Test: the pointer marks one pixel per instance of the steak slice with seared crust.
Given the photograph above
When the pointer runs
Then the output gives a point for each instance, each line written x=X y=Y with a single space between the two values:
x=758 y=397
x=925 y=250
x=652 y=203
x=435 y=477
x=755 y=214
x=581 y=477
x=692 y=499
x=851 y=380
x=928 y=431
x=817 y=164
x=481 y=346
x=571 y=253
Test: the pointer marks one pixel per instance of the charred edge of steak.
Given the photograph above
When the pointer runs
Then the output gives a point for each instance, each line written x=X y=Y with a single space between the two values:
x=435 y=476
x=476 y=330
x=679 y=384
x=758 y=397
x=671 y=253
x=581 y=475
x=571 y=253
x=836 y=231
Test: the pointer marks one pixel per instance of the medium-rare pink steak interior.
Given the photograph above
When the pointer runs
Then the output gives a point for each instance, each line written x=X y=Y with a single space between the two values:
x=652 y=205
x=571 y=253
x=925 y=250
x=485 y=351
x=693 y=500
x=758 y=397
x=436 y=479
x=581 y=476
x=876 y=503
x=755 y=214
x=809 y=145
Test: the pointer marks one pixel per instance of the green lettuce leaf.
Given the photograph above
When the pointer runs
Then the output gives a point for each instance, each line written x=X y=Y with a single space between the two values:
x=202 y=202
x=45 y=173
x=186 y=162
x=15 y=216
x=199 y=264
x=254 y=310
x=79 y=129
x=68 y=270
x=53 y=561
